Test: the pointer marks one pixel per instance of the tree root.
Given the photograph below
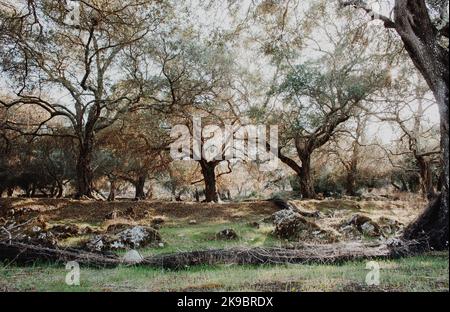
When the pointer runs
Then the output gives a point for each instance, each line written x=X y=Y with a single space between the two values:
x=431 y=228
x=21 y=253
x=325 y=254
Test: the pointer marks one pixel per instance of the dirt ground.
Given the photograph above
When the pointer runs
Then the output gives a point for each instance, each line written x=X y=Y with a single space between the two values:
x=94 y=212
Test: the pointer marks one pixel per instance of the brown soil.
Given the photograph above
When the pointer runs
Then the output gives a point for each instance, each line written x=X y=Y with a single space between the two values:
x=57 y=210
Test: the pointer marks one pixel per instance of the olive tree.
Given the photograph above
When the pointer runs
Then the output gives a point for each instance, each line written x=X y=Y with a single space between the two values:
x=83 y=59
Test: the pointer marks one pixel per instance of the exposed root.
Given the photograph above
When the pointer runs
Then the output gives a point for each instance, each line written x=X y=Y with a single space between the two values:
x=21 y=253
x=431 y=228
x=325 y=254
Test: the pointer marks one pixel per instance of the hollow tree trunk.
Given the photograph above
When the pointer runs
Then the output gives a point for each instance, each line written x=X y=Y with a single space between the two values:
x=84 y=170
x=209 y=175
x=139 y=185
x=306 y=181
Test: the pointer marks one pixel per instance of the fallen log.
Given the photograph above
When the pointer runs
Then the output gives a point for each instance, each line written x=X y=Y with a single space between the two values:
x=306 y=254
x=21 y=253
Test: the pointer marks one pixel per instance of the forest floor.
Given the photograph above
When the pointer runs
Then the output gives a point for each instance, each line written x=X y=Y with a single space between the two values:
x=193 y=226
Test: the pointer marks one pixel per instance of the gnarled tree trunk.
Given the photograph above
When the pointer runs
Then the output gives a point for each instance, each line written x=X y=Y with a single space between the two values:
x=421 y=40
x=84 y=170
x=306 y=181
x=432 y=226
x=209 y=176
x=139 y=185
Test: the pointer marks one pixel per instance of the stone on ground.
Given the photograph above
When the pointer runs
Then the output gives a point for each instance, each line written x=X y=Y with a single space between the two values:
x=132 y=257
x=289 y=224
x=139 y=236
x=360 y=224
x=132 y=237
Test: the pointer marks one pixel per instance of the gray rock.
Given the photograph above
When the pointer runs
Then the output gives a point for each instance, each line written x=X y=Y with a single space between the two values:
x=368 y=229
x=360 y=224
x=394 y=242
x=289 y=224
x=134 y=237
x=132 y=257
x=139 y=236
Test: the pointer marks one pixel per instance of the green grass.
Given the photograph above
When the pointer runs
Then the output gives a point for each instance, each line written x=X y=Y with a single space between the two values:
x=420 y=273
x=178 y=238
x=202 y=236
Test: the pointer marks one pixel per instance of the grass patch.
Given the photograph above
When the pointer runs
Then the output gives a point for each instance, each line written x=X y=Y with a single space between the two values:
x=202 y=236
x=420 y=273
